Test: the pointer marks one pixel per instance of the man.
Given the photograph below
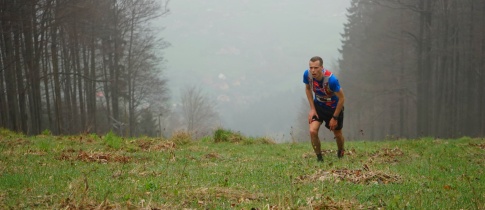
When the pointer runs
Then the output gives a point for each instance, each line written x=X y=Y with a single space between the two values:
x=327 y=105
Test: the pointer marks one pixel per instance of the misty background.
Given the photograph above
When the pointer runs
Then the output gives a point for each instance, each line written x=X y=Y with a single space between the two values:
x=409 y=68
x=250 y=55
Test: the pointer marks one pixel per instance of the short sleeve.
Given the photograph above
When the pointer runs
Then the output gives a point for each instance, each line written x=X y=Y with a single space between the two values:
x=305 y=77
x=334 y=84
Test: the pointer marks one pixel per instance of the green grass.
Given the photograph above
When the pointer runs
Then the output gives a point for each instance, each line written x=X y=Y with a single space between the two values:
x=237 y=172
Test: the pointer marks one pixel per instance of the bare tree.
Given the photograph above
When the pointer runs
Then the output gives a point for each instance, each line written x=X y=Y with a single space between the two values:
x=198 y=111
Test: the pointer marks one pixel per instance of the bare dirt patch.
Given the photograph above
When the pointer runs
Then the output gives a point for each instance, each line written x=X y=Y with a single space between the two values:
x=364 y=176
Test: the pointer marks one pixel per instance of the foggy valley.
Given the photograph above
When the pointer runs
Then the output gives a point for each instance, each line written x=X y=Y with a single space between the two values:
x=250 y=56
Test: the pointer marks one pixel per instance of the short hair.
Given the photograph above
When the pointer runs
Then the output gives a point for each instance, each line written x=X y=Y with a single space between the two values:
x=317 y=58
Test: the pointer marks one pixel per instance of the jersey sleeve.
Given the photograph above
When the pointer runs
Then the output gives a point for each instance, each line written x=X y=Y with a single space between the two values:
x=305 y=77
x=333 y=84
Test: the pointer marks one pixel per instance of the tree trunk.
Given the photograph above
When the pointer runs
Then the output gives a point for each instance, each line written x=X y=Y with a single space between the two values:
x=57 y=84
x=131 y=80
x=45 y=68
x=10 y=81
x=22 y=117
x=66 y=78
x=92 y=85
x=424 y=69
x=3 y=66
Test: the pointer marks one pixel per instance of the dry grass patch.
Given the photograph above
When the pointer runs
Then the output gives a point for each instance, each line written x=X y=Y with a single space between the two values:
x=157 y=144
x=181 y=138
x=70 y=204
x=2 y=199
x=386 y=152
x=83 y=138
x=212 y=155
x=35 y=152
x=144 y=144
x=386 y=155
x=69 y=155
x=164 y=146
x=89 y=204
x=204 y=195
x=9 y=143
x=319 y=202
x=364 y=176
x=481 y=146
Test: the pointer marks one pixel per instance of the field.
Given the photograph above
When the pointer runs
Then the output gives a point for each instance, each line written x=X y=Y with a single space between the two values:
x=231 y=171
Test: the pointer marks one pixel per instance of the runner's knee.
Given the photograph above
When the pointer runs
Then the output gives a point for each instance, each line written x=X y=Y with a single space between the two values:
x=337 y=133
x=313 y=131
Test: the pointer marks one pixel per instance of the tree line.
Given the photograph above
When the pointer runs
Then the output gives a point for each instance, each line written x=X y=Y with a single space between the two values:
x=413 y=68
x=72 y=66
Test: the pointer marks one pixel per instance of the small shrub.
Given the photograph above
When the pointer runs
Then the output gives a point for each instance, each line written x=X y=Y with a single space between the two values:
x=9 y=133
x=46 y=132
x=93 y=137
x=221 y=135
x=112 y=140
x=181 y=138
x=206 y=139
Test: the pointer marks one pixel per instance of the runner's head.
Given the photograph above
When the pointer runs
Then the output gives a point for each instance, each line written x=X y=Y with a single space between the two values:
x=316 y=66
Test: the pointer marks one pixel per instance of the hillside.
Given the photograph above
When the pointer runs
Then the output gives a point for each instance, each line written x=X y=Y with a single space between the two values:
x=229 y=170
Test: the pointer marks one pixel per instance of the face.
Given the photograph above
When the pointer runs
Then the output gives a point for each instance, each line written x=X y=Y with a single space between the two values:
x=316 y=69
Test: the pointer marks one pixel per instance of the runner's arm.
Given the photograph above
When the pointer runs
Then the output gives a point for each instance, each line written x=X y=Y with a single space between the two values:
x=340 y=104
x=309 y=95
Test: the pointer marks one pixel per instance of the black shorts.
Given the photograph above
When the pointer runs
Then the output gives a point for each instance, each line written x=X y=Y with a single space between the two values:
x=325 y=114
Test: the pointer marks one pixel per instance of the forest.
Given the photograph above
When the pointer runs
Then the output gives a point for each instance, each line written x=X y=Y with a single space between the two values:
x=414 y=68
x=90 y=66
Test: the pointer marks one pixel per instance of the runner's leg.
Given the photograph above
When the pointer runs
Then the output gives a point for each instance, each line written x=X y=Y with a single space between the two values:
x=314 y=127
x=339 y=138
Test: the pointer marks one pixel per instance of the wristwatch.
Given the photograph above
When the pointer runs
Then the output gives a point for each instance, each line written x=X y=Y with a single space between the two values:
x=334 y=117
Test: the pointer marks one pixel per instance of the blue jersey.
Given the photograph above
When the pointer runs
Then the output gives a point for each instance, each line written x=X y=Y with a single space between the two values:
x=324 y=90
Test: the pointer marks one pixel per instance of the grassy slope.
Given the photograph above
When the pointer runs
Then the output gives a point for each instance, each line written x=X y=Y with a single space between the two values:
x=87 y=172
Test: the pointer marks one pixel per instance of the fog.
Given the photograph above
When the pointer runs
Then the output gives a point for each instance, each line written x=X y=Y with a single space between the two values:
x=250 y=55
